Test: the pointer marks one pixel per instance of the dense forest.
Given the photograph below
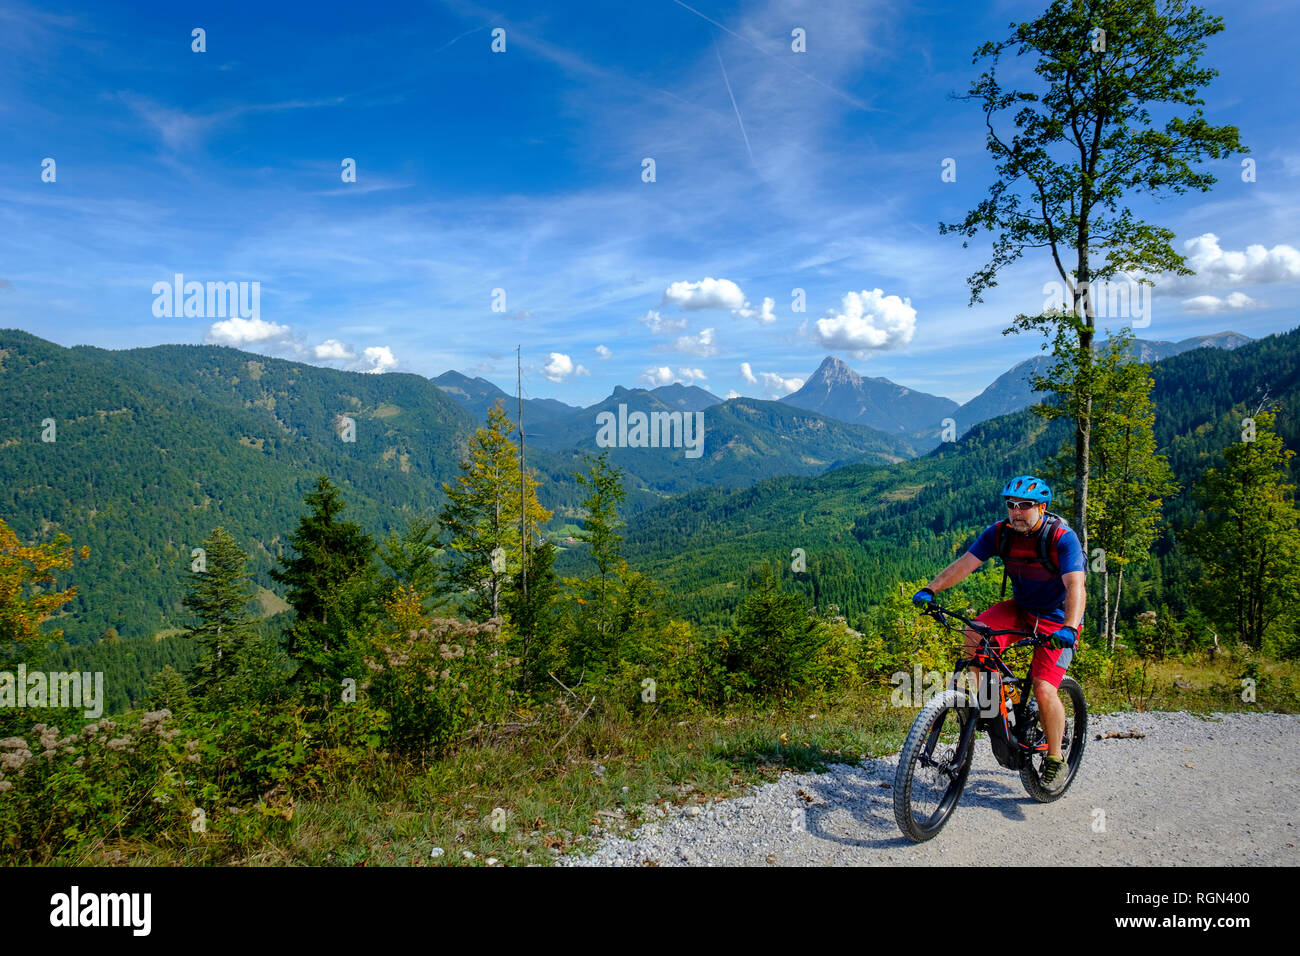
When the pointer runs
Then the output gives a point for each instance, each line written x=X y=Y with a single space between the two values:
x=156 y=462
x=864 y=529
x=139 y=453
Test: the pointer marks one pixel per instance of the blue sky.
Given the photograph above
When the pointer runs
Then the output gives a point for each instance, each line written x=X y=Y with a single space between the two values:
x=523 y=171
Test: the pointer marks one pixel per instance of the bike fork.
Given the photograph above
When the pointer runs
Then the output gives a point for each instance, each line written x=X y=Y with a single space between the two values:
x=964 y=744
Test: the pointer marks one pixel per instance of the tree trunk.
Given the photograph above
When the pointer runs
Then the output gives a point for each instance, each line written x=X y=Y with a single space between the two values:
x=1114 y=621
x=1105 y=611
x=1083 y=448
x=1083 y=413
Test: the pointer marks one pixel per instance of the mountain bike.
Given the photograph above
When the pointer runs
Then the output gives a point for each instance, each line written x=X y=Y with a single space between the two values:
x=936 y=759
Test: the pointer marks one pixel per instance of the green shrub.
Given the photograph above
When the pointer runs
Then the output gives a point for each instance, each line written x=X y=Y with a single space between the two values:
x=111 y=779
x=836 y=666
x=774 y=641
x=900 y=637
x=439 y=681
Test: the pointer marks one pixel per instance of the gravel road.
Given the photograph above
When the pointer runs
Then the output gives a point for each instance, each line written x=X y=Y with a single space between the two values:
x=1216 y=791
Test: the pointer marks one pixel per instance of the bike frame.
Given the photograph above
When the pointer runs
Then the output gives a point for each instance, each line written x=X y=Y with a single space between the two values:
x=1011 y=747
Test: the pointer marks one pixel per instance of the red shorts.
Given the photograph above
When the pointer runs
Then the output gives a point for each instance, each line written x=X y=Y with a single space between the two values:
x=1049 y=664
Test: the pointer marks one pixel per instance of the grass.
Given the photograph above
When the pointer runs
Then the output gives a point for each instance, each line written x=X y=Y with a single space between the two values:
x=558 y=782
x=1197 y=685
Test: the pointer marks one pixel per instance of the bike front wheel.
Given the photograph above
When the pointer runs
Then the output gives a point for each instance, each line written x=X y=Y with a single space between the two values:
x=1073 y=739
x=934 y=764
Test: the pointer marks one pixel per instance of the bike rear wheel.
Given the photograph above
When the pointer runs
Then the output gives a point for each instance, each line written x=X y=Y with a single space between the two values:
x=1073 y=739
x=932 y=767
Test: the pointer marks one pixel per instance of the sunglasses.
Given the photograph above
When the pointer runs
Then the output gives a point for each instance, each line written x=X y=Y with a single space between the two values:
x=1021 y=505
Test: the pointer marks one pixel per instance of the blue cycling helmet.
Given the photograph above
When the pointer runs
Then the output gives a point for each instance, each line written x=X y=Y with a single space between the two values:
x=1028 y=487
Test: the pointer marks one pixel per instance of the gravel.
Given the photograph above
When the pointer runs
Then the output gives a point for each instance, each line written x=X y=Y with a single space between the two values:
x=1216 y=790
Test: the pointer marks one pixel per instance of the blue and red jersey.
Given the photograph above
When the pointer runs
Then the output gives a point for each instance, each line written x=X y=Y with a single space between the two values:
x=1033 y=586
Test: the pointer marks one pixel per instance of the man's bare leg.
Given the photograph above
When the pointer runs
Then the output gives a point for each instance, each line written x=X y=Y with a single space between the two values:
x=1052 y=713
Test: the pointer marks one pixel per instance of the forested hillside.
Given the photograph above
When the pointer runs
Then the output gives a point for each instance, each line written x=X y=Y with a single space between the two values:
x=140 y=453
x=153 y=448
x=864 y=529
x=1013 y=390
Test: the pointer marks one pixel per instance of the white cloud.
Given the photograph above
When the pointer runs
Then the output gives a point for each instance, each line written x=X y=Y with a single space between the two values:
x=239 y=332
x=180 y=130
x=603 y=352
x=1211 y=304
x=765 y=316
x=581 y=370
x=658 y=324
x=380 y=359
x=1217 y=267
x=701 y=345
x=279 y=340
x=732 y=393
x=663 y=375
x=779 y=386
x=333 y=349
x=868 y=320
x=559 y=367
x=708 y=293
x=776 y=385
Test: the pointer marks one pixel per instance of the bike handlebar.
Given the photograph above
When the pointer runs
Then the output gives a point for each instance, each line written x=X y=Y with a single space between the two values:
x=979 y=627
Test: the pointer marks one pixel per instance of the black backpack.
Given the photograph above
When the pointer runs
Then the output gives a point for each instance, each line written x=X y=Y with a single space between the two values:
x=1053 y=527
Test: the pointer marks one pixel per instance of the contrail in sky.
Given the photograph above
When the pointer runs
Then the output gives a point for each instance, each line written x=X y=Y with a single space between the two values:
x=733 y=103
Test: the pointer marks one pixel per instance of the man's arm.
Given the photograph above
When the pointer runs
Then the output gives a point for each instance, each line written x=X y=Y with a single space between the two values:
x=1075 y=596
x=959 y=569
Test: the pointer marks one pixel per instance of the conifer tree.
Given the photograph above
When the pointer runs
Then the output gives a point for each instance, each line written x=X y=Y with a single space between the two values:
x=334 y=591
x=481 y=520
x=1249 y=537
x=1131 y=480
x=604 y=484
x=219 y=596
x=411 y=557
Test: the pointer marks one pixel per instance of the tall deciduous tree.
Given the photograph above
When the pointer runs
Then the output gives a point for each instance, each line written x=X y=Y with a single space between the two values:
x=481 y=521
x=1129 y=479
x=26 y=573
x=1249 y=537
x=1080 y=148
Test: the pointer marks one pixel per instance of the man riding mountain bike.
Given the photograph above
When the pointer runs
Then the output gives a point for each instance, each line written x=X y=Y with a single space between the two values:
x=1045 y=563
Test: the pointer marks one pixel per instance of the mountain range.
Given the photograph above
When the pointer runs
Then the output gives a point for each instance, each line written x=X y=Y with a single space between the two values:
x=834 y=390
x=1012 y=391
x=139 y=453
x=866 y=529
